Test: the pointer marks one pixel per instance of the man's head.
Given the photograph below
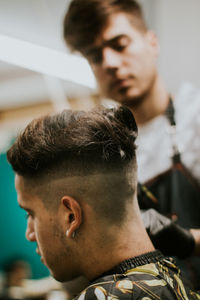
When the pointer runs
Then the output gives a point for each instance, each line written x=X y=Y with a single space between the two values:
x=16 y=270
x=75 y=175
x=113 y=36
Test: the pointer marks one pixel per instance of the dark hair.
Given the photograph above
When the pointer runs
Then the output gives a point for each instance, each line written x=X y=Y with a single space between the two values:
x=85 y=19
x=102 y=138
x=100 y=142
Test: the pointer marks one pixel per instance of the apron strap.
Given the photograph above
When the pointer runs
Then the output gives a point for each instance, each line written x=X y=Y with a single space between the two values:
x=170 y=114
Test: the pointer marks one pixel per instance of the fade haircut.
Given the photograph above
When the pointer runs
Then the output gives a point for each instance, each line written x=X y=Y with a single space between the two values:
x=85 y=20
x=77 y=143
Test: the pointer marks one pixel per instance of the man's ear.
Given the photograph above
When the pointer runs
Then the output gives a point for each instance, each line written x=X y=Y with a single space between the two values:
x=153 y=41
x=74 y=214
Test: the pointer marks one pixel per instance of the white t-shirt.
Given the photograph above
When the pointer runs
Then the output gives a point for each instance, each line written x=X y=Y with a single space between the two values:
x=155 y=143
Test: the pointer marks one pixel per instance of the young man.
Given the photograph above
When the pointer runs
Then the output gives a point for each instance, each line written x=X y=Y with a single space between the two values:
x=122 y=52
x=76 y=177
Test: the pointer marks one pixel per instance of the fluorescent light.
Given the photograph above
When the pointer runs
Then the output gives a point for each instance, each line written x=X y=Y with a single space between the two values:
x=47 y=61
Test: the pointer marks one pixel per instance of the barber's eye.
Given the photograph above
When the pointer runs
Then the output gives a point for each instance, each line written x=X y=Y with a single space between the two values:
x=121 y=44
x=120 y=47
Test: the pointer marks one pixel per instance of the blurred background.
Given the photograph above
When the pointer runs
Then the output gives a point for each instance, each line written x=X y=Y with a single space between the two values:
x=38 y=75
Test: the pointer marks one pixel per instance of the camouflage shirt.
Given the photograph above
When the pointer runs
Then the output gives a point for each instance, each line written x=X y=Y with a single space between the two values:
x=145 y=277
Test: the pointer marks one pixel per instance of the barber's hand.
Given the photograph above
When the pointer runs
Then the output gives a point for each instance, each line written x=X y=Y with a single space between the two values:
x=196 y=235
x=170 y=238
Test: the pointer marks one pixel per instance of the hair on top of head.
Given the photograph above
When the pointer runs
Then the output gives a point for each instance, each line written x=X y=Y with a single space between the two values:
x=85 y=19
x=125 y=116
x=82 y=141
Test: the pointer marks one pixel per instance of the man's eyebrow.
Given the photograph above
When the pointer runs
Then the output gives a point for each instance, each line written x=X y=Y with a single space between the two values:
x=117 y=37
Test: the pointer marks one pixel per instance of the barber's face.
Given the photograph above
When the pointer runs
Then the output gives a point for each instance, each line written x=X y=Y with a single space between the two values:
x=45 y=227
x=123 y=60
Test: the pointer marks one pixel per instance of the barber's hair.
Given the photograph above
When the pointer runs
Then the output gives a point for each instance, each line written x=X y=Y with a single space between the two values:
x=78 y=143
x=85 y=20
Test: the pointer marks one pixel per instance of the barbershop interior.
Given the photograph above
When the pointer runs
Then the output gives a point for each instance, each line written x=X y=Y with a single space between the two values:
x=39 y=75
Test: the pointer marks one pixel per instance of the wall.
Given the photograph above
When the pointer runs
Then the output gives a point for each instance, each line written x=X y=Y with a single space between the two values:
x=177 y=25
x=13 y=225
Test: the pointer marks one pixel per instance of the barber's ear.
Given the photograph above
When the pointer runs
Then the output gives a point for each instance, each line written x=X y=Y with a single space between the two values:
x=74 y=214
x=153 y=41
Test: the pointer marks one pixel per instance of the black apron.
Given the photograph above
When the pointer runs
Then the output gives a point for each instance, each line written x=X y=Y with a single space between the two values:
x=176 y=194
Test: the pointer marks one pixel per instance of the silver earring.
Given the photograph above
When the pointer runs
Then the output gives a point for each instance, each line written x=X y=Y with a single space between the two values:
x=73 y=234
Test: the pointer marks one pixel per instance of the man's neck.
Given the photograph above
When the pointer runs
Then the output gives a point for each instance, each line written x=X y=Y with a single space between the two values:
x=153 y=104
x=131 y=241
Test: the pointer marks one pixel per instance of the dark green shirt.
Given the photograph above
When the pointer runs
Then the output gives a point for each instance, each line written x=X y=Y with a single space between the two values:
x=145 y=277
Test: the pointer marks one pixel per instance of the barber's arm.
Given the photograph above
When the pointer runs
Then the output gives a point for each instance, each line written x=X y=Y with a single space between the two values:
x=169 y=237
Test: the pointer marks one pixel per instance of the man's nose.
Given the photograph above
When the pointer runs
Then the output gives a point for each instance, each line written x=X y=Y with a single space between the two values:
x=30 y=233
x=110 y=59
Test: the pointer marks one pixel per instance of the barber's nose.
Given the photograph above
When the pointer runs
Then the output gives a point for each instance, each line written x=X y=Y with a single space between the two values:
x=110 y=58
x=30 y=233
